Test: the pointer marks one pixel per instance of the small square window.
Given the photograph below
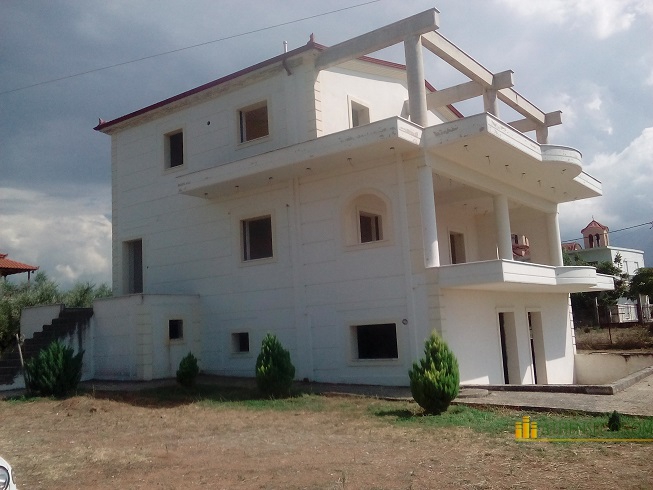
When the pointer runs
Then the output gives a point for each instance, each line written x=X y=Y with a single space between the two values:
x=370 y=227
x=257 y=238
x=175 y=329
x=376 y=341
x=175 y=149
x=359 y=114
x=240 y=342
x=254 y=122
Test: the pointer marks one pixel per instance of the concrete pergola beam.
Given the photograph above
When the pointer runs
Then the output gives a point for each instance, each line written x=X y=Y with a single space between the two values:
x=378 y=39
x=468 y=90
x=456 y=57
x=526 y=125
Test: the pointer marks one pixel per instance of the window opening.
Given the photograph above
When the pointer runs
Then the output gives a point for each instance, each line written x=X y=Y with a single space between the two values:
x=359 y=114
x=377 y=341
x=254 y=123
x=240 y=342
x=457 y=245
x=175 y=329
x=370 y=227
x=257 y=238
x=134 y=257
x=175 y=149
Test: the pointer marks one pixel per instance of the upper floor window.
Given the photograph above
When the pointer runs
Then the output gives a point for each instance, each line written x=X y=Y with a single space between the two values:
x=174 y=151
x=371 y=229
x=257 y=238
x=359 y=114
x=367 y=219
x=254 y=122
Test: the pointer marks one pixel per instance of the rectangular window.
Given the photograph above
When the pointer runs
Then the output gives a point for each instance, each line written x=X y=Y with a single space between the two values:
x=175 y=329
x=240 y=342
x=377 y=341
x=175 y=149
x=254 y=122
x=134 y=266
x=257 y=238
x=359 y=114
x=370 y=227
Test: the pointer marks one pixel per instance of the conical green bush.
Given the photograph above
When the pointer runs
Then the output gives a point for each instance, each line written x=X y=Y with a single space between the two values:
x=435 y=379
x=274 y=370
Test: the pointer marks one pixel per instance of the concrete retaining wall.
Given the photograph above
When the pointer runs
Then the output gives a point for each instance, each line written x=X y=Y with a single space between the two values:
x=607 y=367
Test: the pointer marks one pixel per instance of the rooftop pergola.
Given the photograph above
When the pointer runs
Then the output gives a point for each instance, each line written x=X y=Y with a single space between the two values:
x=419 y=31
x=9 y=267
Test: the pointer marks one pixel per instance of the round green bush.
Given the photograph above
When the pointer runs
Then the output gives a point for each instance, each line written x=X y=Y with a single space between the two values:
x=274 y=370
x=188 y=370
x=435 y=379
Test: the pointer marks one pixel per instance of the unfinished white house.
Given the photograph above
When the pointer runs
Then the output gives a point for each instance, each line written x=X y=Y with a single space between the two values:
x=343 y=204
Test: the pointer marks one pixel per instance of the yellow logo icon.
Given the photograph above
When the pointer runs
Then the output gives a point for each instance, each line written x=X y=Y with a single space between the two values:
x=525 y=429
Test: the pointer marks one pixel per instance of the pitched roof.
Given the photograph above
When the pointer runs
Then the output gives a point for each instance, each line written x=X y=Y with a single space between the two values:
x=107 y=125
x=595 y=224
x=8 y=266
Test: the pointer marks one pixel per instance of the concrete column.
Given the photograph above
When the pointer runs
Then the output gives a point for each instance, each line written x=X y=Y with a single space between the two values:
x=490 y=103
x=427 y=211
x=553 y=233
x=415 y=78
x=542 y=135
x=502 y=218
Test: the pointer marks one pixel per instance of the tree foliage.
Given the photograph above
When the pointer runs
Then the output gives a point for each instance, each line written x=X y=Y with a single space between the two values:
x=602 y=298
x=56 y=371
x=435 y=378
x=274 y=369
x=40 y=291
x=641 y=283
x=188 y=370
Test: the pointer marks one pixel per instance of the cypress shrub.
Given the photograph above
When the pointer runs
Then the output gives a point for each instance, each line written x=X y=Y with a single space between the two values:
x=188 y=370
x=435 y=379
x=56 y=371
x=274 y=369
x=614 y=421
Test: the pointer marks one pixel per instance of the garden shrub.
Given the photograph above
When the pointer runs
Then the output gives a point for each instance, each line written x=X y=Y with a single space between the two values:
x=274 y=369
x=435 y=379
x=188 y=370
x=56 y=371
x=614 y=421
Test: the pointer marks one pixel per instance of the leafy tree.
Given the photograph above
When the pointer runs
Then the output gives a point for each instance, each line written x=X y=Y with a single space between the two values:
x=40 y=291
x=641 y=283
x=435 y=379
x=602 y=298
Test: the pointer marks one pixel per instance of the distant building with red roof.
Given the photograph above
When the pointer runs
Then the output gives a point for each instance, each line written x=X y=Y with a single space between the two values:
x=9 y=267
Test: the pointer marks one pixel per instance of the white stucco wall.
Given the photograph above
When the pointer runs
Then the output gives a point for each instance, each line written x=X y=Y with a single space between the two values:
x=34 y=318
x=472 y=331
x=607 y=367
x=130 y=336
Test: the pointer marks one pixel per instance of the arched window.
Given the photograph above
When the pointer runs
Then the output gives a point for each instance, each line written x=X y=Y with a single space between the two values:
x=367 y=219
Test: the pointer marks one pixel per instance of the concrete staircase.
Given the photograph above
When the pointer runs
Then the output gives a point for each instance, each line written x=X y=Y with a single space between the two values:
x=71 y=321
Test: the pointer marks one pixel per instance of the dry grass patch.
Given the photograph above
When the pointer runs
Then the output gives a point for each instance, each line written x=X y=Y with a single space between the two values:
x=616 y=338
x=309 y=442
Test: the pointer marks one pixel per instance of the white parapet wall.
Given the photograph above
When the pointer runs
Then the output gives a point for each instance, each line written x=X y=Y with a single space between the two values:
x=32 y=319
x=595 y=368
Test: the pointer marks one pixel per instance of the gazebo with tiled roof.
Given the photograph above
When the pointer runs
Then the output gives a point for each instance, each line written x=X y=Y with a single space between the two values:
x=9 y=267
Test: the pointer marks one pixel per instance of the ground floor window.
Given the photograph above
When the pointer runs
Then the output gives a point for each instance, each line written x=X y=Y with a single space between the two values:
x=376 y=341
x=240 y=342
x=175 y=329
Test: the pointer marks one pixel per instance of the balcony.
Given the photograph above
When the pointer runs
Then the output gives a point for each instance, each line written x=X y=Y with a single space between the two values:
x=512 y=276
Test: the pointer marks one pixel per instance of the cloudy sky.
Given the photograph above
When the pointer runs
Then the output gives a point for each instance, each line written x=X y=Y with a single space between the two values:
x=592 y=59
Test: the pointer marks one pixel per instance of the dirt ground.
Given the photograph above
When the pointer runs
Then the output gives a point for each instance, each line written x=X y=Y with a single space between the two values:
x=88 y=442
